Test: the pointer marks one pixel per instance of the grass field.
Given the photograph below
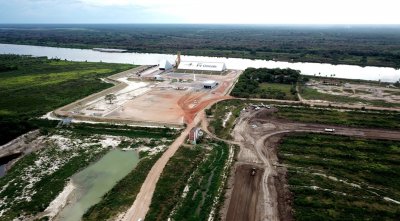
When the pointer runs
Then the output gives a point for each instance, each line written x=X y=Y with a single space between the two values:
x=342 y=178
x=273 y=87
x=33 y=86
x=190 y=183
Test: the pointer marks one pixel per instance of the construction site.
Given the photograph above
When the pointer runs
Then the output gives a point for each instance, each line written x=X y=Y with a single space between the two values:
x=160 y=95
x=258 y=187
x=254 y=182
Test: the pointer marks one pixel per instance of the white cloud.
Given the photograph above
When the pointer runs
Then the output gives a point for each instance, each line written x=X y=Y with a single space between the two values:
x=230 y=11
x=268 y=11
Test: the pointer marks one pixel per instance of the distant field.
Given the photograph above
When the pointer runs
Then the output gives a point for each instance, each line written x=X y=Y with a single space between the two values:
x=32 y=86
x=354 y=118
x=342 y=178
x=358 y=45
x=313 y=94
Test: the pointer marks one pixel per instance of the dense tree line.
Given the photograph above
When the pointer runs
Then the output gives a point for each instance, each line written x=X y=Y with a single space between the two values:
x=359 y=45
x=248 y=84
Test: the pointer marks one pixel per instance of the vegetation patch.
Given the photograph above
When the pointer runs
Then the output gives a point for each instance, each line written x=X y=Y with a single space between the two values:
x=360 y=45
x=267 y=83
x=313 y=94
x=220 y=113
x=342 y=178
x=191 y=183
x=37 y=178
x=352 y=118
x=34 y=86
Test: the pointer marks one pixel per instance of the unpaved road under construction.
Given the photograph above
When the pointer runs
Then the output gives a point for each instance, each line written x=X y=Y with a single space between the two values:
x=259 y=133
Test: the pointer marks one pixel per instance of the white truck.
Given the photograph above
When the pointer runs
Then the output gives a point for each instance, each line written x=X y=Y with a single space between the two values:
x=329 y=130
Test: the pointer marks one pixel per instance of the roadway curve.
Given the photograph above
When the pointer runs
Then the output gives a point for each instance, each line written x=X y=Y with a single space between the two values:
x=142 y=202
x=255 y=131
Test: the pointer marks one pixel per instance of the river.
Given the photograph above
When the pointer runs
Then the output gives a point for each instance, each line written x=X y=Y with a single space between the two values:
x=96 y=180
x=384 y=74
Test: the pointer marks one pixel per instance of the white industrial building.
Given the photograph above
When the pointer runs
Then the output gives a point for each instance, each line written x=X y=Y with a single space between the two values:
x=210 y=84
x=164 y=65
x=202 y=66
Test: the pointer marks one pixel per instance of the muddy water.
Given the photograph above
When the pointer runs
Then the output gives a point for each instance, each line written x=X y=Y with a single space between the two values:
x=93 y=182
x=340 y=71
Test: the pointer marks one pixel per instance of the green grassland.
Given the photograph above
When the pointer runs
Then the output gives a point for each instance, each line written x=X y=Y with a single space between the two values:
x=33 y=86
x=201 y=169
x=274 y=89
x=342 y=178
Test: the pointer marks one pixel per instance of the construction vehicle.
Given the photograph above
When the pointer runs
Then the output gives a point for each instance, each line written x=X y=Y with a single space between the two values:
x=253 y=171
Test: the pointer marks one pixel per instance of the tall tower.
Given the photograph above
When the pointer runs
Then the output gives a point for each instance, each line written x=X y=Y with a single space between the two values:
x=178 y=59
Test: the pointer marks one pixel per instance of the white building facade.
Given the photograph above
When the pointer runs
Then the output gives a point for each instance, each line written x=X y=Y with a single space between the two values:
x=202 y=66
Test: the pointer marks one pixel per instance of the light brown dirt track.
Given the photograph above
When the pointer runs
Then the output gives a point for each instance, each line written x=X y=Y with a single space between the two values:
x=258 y=147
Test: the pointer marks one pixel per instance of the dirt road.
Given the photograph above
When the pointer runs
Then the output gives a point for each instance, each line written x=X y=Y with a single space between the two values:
x=143 y=199
x=245 y=184
x=259 y=133
x=193 y=115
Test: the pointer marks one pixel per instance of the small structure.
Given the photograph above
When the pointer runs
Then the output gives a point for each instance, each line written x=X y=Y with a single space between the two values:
x=194 y=135
x=65 y=122
x=164 y=65
x=158 y=78
x=210 y=84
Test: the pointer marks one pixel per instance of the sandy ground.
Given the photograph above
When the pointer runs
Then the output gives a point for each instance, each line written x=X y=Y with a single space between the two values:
x=158 y=105
x=165 y=104
x=59 y=202
x=258 y=148
x=173 y=101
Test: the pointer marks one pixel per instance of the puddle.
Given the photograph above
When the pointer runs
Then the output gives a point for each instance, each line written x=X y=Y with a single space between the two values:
x=96 y=180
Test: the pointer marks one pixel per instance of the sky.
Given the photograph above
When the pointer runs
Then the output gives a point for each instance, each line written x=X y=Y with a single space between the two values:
x=201 y=11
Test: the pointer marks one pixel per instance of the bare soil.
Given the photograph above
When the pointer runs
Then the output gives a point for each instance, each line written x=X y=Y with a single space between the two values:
x=259 y=134
x=244 y=200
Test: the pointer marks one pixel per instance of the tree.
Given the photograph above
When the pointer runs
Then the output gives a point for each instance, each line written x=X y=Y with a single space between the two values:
x=110 y=98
